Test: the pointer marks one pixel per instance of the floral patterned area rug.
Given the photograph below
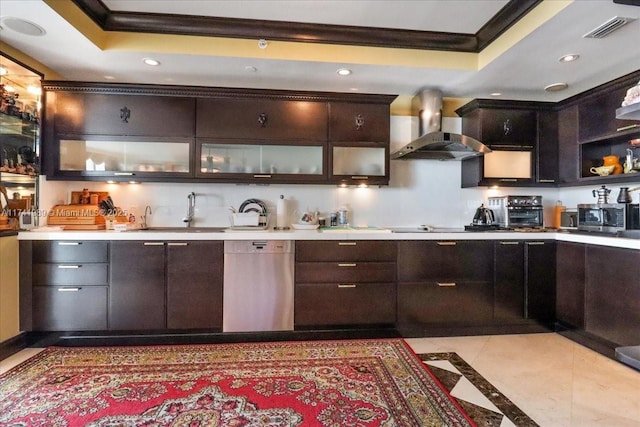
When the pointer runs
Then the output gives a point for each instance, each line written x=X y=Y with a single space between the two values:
x=377 y=382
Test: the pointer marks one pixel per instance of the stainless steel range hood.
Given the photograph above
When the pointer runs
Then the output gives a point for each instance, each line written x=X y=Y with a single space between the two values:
x=434 y=144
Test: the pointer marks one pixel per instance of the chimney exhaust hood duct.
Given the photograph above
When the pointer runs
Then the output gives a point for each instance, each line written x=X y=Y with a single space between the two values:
x=433 y=144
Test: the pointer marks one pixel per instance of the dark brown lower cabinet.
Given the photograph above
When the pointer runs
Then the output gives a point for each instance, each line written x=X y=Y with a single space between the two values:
x=540 y=280
x=344 y=304
x=67 y=308
x=570 y=283
x=445 y=302
x=137 y=288
x=612 y=309
x=509 y=302
x=194 y=285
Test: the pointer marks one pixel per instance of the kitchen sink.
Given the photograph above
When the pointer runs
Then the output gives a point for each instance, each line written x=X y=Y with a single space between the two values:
x=184 y=229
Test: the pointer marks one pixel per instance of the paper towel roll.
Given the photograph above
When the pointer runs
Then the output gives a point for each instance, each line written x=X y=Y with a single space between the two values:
x=281 y=213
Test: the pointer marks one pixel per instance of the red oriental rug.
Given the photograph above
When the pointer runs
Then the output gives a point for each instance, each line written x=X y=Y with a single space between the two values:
x=311 y=383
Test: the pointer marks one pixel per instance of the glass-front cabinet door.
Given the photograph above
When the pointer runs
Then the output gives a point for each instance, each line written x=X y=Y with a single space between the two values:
x=118 y=158
x=365 y=164
x=261 y=162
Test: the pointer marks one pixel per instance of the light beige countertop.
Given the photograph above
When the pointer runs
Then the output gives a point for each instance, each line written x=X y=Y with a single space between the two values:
x=353 y=234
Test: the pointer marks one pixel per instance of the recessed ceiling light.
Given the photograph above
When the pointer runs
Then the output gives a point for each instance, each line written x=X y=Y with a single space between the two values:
x=250 y=69
x=109 y=77
x=496 y=94
x=569 y=58
x=151 y=61
x=354 y=89
x=23 y=27
x=343 y=72
x=556 y=87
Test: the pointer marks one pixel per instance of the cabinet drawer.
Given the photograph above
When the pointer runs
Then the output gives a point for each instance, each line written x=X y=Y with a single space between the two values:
x=354 y=122
x=142 y=115
x=445 y=302
x=345 y=272
x=65 y=308
x=339 y=304
x=459 y=260
x=262 y=119
x=70 y=251
x=70 y=274
x=344 y=251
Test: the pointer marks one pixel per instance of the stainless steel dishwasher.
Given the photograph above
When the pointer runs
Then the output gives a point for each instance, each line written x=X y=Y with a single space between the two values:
x=258 y=285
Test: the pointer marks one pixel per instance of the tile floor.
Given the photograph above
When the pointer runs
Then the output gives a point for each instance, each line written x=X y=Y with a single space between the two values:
x=555 y=381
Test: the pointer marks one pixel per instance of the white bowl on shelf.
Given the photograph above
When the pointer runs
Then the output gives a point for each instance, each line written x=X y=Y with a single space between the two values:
x=304 y=226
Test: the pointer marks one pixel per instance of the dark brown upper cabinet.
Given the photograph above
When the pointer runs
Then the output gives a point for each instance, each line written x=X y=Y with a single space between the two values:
x=523 y=139
x=261 y=119
x=120 y=114
x=206 y=134
x=359 y=142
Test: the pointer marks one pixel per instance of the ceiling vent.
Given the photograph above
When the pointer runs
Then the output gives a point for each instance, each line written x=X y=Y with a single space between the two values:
x=608 y=27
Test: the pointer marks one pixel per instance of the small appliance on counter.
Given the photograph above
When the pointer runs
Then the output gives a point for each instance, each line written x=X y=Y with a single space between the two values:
x=569 y=219
x=608 y=218
x=483 y=220
x=518 y=211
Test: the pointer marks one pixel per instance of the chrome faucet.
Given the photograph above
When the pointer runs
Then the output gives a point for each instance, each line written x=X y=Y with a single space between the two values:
x=191 y=207
x=143 y=218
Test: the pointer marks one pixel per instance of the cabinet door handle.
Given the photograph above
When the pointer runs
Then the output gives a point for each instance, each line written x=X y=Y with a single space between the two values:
x=535 y=243
x=177 y=244
x=68 y=289
x=359 y=177
x=446 y=284
x=509 y=179
x=262 y=176
x=347 y=243
x=69 y=243
x=347 y=264
x=153 y=243
x=509 y=243
x=627 y=127
x=546 y=180
x=69 y=266
x=123 y=174
x=447 y=243
x=346 y=285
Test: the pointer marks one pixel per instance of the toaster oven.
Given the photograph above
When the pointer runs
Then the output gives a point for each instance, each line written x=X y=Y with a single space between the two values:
x=517 y=211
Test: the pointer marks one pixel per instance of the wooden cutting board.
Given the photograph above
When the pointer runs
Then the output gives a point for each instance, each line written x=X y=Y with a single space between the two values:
x=87 y=215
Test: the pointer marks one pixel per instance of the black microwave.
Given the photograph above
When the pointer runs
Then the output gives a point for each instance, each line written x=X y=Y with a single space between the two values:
x=608 y=218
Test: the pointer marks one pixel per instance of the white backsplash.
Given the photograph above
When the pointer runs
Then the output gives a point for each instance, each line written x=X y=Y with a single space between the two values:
x=421 y=192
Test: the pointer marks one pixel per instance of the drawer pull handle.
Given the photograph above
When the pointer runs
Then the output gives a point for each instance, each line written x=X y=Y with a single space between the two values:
x=177 y=244
x=262 y=176
x=69 y=266
x=446 y=284
x=346 y=285
x=68 y=289
x=509 y=243
x=627 y=127
x=123 y=174
x=535 y=243
x=153 y=243
x=347 y=264
x=69 y=243
x=347 y=243
x=446 y=243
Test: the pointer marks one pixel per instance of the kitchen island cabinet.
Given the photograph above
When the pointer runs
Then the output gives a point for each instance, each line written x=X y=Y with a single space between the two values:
x=348 y=283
